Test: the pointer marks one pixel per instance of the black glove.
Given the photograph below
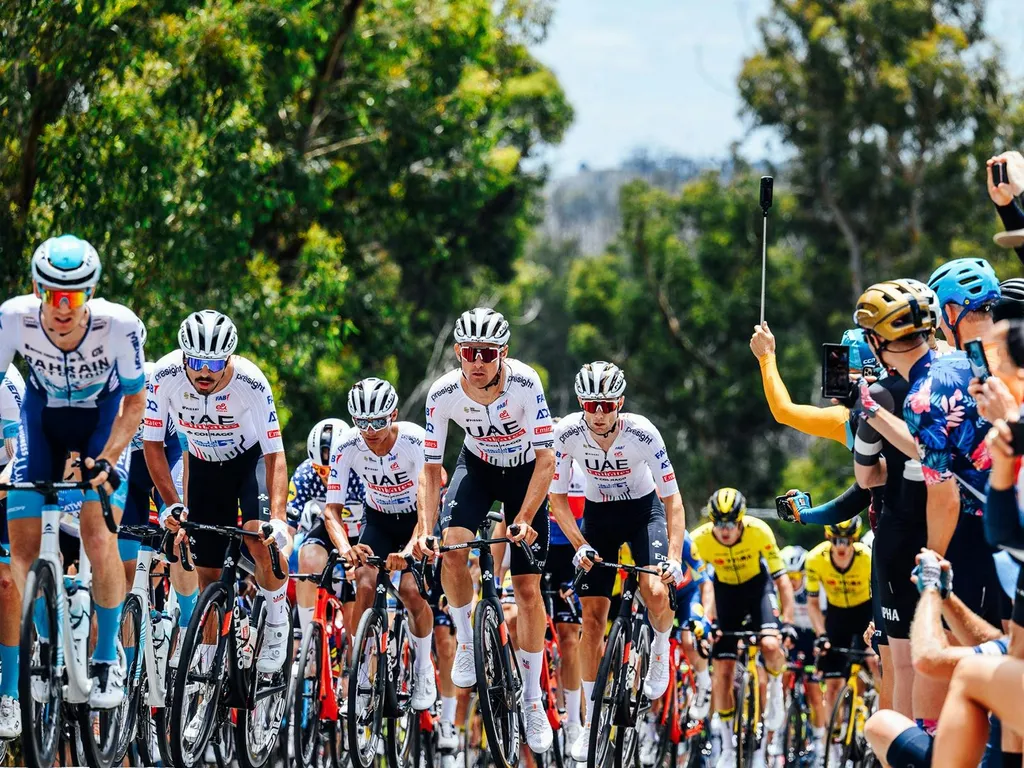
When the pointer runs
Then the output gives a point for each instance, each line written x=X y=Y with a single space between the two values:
x=102 y=465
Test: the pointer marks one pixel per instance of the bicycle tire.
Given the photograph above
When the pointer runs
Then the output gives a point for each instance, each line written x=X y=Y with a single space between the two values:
x=268 y=712
x=627 y=748
x=135 y=677
x=607 y=695
x=40 y=752
x=162 y=716
x=403 y=731
x=213 y=601
x=744 y=725
x=496 y=685
x=474 y=736
x=305 y=711
x=366 y=654
x=794 y=737
x=224 y=746
x=842 y=708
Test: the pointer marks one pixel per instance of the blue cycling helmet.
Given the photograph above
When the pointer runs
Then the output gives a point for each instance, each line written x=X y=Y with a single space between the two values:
x=860 y=352
x=969 y=283
x=66 y=263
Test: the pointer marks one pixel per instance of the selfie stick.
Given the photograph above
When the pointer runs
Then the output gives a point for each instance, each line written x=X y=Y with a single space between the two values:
x=766 y=202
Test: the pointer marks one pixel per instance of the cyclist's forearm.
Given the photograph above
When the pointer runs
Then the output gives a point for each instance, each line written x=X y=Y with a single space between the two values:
x=277 y=485
x=184 y=477
x=941 y=513
x=429 y=496
x=815 y=615
x=125 y=426
x=785 y=587
x=844 y=506
x=335 y=530
x=563 y=516
x=707 y=598
x=676 y=519
x=537 y=491
x=160 y=471
x=928 y=645
x=967 y=627
x=895 y=430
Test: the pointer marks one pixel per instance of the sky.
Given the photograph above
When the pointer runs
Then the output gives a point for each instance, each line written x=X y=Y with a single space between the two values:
x=661 y=74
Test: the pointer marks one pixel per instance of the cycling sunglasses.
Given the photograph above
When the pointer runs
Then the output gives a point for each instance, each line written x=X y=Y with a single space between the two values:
x=198 y=363
x=486 y=354
x=842 y=541
x=376 y=425
x=605 y=406
x=64 y=299
x=727 y=525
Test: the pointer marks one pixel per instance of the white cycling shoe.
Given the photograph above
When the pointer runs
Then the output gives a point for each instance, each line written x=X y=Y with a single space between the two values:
x=464 y=666
x=108 y=682
x=424 y=689
x=447 y=737
x=581 y=747
x=10 y=718
x=539 y=735
x=274 y=650
x=656 y=682
x=775 y=711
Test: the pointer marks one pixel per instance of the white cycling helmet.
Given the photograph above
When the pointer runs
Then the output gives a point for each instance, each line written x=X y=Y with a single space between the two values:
x=208 y=335
x=600 y=381
x=482 y=326
x=934 y=309
x=322 y=439
x=372 y=399
x=66 y=263
x=793 y=558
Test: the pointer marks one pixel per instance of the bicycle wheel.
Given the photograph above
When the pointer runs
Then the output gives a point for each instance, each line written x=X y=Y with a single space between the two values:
x=475 y=738
x=838 y=724
x=224 y=746
x=745 y=723
x=794 y=737
x=41 y=707
x=627 y=752
x=135 y=679
x=496 y=685
x=366 y=684
x=608 y=695
x=403 y=731
x=258 y=728
x=200 y=679
x=305 y=714
x=162 y=715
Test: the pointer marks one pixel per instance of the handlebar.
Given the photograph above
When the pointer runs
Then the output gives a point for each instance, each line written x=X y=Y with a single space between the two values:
x=580 y=573
x=48 y=487
x=381 y=564
x=266 y=532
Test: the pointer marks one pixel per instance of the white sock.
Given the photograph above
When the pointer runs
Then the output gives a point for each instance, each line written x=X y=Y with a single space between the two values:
x=660 y=644
x=704 y=679
x=572 y=705
x=818 y=733
x=461 y=617
x=588 y=695
x=449 y=707
x=422 y=645
x=277 y=604
x=531 y=664
x=305 y=616
x=725 y=731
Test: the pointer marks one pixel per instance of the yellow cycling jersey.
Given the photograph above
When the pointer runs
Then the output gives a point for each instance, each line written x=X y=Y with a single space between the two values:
x=844 y=589
x=742 y=561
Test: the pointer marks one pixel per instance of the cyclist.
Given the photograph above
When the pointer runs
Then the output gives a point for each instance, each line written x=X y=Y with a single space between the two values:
x=746 y=560
x=224 y=408
x=308 y=490
x=626 y=467
x=85 y=394
x=794 y=558
x=507 y=457
x=388 y=457
x=842 y=567
x=559 y=570
x=12 y=390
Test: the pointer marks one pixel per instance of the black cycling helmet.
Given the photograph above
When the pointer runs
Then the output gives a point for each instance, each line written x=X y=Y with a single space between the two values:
x=726 y=505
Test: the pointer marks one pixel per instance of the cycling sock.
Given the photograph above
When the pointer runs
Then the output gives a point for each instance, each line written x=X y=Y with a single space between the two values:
x=449 y=708
x=305 y=617
x=531 y=664
x=422 y=644
x=572 y=706
x=588 y=694
x=660 y=644
x=107 y=621
x=9 y=671
x=463 y=626
x=42 y=620
x=186 y=605
x=277 y=604
x=704 y=679
x=129 y=654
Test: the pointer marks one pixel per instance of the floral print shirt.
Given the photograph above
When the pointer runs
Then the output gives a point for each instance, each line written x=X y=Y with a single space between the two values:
x=944 y=422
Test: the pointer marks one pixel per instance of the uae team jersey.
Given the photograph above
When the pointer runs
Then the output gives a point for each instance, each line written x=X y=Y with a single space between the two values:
x=220 y=426
x=391 y=481
x=106 y=363
x=635 y=465
x=12 y=390
x=505 y=433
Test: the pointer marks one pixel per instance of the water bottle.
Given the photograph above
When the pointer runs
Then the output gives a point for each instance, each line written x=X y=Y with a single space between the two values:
x=80 y=621
x=243 y=641
x=161 y=624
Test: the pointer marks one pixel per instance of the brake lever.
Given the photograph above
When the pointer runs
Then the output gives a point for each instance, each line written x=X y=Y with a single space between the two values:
x=275 y=565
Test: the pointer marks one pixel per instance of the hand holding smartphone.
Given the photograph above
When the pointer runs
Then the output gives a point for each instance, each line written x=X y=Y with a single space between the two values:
x=835 y=371
x=999 y=173
x=976 y=357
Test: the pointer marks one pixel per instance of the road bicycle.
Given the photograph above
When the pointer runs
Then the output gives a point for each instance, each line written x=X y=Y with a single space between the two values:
x=217 y=673
x=56 y=617
x=748 y=723
x=679 y=741
x=856 y=702
x=618 y=701
x=798 y=741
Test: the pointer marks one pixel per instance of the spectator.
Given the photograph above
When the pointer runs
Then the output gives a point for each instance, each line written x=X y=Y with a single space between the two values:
x=1004 y=196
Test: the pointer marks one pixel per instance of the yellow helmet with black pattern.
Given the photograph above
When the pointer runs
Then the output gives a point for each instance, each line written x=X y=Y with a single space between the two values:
x=726 y=505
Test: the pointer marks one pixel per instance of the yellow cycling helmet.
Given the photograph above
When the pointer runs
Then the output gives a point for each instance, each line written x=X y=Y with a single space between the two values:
x=726 y=505
x=849 y=529
x=895 y=310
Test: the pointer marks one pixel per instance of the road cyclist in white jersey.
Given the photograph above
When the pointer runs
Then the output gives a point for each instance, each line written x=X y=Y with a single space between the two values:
x=632 y=496
x=507 y=456
x=224 y=408
x=388 y=457
x=86 y=393
x=12 y=392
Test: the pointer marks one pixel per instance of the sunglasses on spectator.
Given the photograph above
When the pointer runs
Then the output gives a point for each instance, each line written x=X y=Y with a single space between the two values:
x=486 y=354
x=66 y=299
x=605 y=406
x=375 y=425
x=198 y=363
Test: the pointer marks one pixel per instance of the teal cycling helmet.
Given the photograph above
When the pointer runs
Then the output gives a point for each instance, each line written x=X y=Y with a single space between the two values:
x=861 y=354
x=66 y=263
x=969 y=283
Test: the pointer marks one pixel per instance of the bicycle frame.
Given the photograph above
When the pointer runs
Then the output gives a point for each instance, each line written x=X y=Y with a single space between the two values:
x=325 y=614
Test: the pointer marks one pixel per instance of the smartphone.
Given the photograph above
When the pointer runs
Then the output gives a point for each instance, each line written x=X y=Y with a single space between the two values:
x=1017 y=437
x=999 y=173
x=790 y=507
x=976 y=357
x=835 y=371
